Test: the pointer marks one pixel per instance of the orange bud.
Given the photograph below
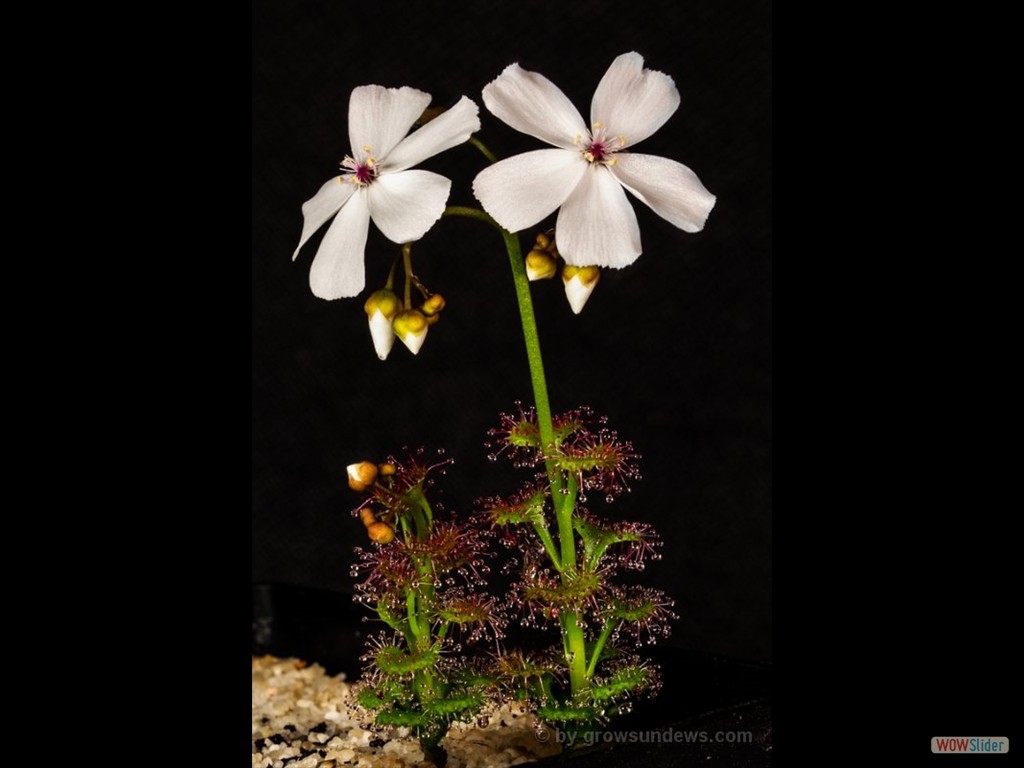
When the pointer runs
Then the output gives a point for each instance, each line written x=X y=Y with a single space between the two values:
x=367 y=516
x=382 y=533
x=361 y=475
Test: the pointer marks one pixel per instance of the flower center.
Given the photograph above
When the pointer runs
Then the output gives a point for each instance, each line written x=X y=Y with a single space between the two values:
x=361 y=173
x=596 y=152
x=600 y=148
x=365 y=172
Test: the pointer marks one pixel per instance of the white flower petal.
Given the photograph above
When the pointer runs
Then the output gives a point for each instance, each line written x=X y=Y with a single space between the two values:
x=338 y=270
x=382 y=333
x=521 y=190
x=631 y=101
x=321 y=206
x=597 y=225
x=671 y=189
x=448 y=129
x=577 y=292
x=406 y=204
x=532 y=104
x=379 y=117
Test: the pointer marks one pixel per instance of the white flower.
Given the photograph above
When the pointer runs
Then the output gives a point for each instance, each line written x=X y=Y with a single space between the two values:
x=586 y=174
x=376 y=183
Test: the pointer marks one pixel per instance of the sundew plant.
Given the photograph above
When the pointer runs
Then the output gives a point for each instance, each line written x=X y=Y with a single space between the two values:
x=444 y=654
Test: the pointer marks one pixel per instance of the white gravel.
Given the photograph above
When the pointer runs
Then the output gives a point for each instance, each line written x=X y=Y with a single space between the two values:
x=302 y=718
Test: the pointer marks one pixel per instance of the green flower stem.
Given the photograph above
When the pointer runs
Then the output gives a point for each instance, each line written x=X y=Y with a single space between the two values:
x=564 y=516
x=564 y=503
x=577 y=659
x=407 y=260
x=410 y=609
x=397 y=624
x=390 y=284
x=416 y=601
x=417 y=496
x=549 y=544
x=491 y=157
x=598 y=647
x=421 y=599
x=419 y=523
x=472 y=213
x=577 y=655
x=540 y=387
x=545 y=687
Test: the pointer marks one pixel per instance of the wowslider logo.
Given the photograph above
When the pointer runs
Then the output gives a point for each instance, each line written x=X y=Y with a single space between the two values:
x=976 y=745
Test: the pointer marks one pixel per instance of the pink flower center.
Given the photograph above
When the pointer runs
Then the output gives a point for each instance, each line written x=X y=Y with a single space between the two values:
x=600 y=148
x=596 y=152
x=361 y=173
x=365 y=173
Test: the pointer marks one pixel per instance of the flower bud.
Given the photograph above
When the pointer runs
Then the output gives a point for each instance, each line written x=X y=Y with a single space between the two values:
x=367 y=516
x=410 y=325
x=382 y=533
x=387 y=470
x=579 y=284
x=380 y=308
x=546 y=242
x=361 y=475
x=540 y=265
x=433 y=305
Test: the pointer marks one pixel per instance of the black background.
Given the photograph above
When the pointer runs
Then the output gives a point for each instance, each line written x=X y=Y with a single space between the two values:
x=675 y=349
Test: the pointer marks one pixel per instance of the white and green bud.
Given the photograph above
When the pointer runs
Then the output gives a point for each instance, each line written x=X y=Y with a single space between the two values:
x=410 y=326
x=381 y=308
x=579 y=284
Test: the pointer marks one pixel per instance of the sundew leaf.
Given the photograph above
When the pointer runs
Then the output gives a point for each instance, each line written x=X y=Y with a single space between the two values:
x=620 y=683
x=395 y=661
